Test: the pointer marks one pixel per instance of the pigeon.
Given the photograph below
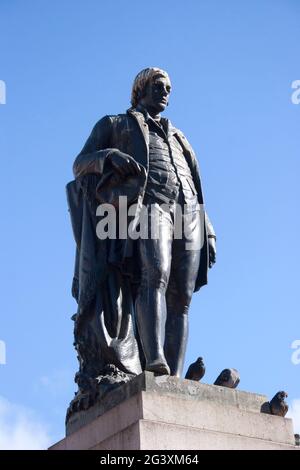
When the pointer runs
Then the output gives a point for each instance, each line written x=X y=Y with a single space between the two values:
x=228 y=378
x=196 y=370
x=278 y=406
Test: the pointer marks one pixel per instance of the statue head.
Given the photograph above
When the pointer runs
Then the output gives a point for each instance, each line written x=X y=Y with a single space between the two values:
x=151 y=88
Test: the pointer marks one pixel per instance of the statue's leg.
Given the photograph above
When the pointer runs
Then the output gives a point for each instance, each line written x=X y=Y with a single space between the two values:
x=184 y=270
x=155 y=261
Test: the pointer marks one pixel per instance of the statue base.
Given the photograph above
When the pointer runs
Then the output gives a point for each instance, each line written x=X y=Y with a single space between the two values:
x=167 y=413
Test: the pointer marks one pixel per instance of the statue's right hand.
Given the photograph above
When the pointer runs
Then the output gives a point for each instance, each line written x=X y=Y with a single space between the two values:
x=124 y=164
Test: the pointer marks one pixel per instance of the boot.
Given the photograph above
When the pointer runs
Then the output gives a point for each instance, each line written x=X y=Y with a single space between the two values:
x=151 y=329
x=176 y=342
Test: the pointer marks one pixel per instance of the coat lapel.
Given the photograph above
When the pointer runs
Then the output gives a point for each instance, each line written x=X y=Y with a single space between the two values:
x=140 y=120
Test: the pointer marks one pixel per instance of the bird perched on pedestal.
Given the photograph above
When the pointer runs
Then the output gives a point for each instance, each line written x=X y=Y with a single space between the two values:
x=196 y=370
x=278 y=406
x=228 y=378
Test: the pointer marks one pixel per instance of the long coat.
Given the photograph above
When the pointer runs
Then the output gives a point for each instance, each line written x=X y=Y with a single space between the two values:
x=129 y=134
x=104 y=324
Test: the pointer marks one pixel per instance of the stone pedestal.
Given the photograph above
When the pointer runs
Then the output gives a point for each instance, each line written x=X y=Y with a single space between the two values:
x=166 y=413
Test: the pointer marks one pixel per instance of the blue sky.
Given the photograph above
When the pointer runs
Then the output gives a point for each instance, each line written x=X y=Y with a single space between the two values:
x=66 y=64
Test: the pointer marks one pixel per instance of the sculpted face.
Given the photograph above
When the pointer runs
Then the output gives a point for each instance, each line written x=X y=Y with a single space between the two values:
x=156 y=95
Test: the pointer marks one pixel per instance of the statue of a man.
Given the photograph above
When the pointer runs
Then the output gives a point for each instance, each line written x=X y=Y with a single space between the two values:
x=134 y=294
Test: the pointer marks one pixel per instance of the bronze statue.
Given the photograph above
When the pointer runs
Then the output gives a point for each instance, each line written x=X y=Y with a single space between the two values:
x=134 y=293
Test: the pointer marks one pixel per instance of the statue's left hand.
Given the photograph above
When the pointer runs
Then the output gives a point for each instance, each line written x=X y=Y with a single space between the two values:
x=212 y=251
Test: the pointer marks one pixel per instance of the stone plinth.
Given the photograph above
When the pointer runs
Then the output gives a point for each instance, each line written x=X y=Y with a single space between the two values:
x=167 y=413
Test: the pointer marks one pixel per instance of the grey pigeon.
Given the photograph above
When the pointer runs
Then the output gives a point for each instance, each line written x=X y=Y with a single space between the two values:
x=278 y=406
x=196 y=370
x=228 y=378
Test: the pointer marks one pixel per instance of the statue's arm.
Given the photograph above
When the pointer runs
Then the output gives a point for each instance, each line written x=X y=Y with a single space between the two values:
x=212 y=250
x=211 y=235
x=97 y=150
x=209 y=227
x=187 y=146
x=92 y=157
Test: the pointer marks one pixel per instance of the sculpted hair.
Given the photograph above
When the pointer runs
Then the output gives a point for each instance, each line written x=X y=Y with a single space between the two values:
x=141 y=81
